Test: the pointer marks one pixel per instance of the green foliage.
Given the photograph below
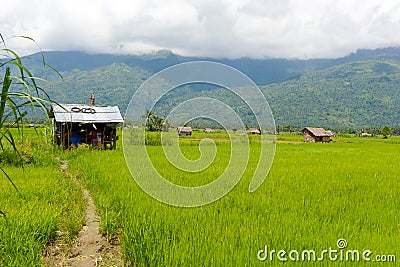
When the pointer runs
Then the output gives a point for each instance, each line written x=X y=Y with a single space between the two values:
x=11 y=157
x=386 y=131
x=154 y=123
x=20 y=90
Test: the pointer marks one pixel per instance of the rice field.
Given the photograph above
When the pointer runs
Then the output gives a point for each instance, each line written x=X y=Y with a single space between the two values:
x=314 y=196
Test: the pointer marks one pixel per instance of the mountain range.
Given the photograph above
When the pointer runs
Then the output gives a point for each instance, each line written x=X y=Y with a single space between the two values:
x=357 y=91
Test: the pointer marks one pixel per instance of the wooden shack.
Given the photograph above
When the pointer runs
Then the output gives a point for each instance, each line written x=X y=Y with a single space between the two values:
x=185 y=131
x=316 y=135
x=76 y=124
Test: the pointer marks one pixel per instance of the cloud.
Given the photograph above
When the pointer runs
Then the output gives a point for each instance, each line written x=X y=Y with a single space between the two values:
x=258 y=28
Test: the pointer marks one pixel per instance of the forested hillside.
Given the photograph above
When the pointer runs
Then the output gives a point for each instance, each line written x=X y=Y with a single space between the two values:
x=353 y=95
x=113 y=85
x=357 y=91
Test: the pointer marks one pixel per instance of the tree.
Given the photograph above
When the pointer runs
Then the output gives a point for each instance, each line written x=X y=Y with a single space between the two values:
x=20 y=92
x=278 y=129
x=386 y=131
x=154 y=123
x=289 y=128
x=147 y=114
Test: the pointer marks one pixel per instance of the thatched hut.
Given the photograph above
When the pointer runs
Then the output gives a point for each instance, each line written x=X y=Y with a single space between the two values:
x=316 y=135
x=185 y=131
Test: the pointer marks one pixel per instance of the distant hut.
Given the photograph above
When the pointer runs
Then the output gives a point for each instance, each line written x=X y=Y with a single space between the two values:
x=185 y=131
x=93 y=125
x=253 y=131
x=208 y=130
x=366 y=135
x=316 y=135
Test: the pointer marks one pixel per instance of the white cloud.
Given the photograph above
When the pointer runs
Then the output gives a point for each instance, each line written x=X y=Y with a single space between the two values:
x=259 y=28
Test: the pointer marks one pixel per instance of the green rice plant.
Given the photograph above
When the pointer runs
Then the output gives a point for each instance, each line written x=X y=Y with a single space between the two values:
x=48 y=206
x=20 y=89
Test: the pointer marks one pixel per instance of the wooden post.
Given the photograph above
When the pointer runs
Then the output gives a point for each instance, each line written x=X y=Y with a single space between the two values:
x=62 y=137
x=114 y=139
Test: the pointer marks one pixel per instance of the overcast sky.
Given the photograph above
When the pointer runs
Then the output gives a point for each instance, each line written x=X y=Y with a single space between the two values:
x=231 y=28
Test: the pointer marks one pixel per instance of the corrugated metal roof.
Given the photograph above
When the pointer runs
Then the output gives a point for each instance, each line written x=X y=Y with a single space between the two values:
x=86 y=113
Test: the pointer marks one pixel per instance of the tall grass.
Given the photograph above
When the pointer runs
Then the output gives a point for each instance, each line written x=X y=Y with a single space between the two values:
x=21 y=91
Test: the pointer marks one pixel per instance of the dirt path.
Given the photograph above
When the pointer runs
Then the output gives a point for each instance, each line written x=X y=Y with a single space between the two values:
x=90 y=248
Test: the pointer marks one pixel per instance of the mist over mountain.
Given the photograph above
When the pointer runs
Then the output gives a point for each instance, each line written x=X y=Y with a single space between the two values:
x=261 y=71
